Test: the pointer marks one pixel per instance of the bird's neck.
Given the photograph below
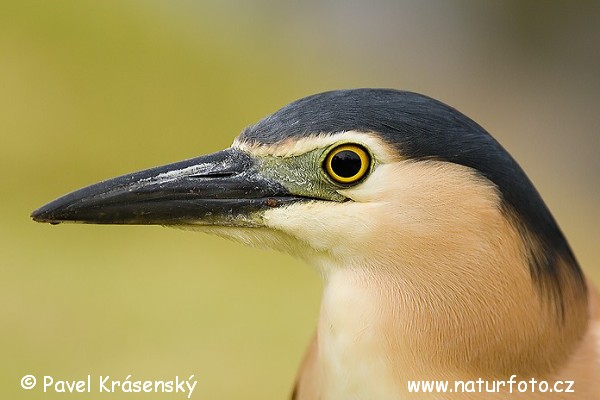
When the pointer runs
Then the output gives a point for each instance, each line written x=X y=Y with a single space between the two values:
x=385 y=326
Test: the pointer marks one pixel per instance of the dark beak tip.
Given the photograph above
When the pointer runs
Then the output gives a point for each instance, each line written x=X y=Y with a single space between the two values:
x=40 y=216
x=45 y=214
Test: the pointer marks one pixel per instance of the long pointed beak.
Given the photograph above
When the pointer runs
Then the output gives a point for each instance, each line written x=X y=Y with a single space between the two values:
x=224 y=188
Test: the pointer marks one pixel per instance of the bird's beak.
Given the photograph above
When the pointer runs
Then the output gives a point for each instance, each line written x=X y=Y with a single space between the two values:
x=224 y=188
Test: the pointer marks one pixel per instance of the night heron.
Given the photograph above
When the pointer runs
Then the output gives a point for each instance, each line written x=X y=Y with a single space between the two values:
x=439 y=257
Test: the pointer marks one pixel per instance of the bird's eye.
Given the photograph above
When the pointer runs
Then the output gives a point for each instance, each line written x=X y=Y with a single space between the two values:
x=347 y=163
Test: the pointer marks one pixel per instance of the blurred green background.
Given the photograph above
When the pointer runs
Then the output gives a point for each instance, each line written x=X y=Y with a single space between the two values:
x=94 y=89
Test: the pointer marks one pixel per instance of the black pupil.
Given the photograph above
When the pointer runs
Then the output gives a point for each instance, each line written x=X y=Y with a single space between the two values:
x=346 y=163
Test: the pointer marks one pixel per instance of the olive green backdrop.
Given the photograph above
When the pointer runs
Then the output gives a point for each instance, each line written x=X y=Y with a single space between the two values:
x=94 y=89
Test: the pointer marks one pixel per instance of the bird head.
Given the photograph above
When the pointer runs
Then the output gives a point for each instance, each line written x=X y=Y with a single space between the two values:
x=366 y=177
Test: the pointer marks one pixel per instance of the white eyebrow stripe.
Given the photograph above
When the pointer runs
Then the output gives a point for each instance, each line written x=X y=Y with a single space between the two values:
x=295 y=147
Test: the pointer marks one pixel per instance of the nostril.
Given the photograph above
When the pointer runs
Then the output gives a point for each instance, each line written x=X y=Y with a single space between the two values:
x=213 y=175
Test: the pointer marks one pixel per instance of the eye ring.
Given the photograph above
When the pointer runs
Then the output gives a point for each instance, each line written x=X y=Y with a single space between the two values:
x=347 y=163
